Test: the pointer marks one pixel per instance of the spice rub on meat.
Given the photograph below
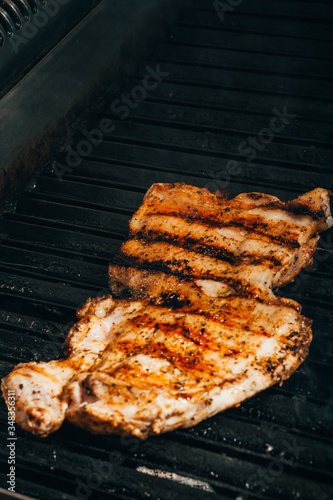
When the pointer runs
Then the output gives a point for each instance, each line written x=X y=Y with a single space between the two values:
x=192 y=327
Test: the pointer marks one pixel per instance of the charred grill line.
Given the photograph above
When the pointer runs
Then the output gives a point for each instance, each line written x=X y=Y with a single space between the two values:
x=125 y=264
x=171 y=267
x=252 y=227
x=188 y=242
x=209 y=249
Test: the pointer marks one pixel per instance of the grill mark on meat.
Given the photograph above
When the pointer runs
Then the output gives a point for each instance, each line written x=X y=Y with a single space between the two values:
x=202 y=336
x=255 y=226
x=183 y=270
x=298 y=208
x=189 y=243
x=190 y=265
x=192 y=361
x=42 y=371
x=173 y=300
x=123 y=265
x=210 y=249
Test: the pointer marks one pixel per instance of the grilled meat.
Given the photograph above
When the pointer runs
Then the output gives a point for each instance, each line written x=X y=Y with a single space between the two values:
x=193 y=326
x=169 y=368
x=254 y=241
x=138 y=368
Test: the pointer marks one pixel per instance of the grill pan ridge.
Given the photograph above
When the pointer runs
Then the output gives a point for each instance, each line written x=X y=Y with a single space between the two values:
x=225 y=75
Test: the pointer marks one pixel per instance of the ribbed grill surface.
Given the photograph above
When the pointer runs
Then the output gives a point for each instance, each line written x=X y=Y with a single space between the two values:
x=225 y=80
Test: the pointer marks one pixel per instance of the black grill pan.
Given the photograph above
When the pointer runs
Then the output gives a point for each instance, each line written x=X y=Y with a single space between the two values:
x=225 y=78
